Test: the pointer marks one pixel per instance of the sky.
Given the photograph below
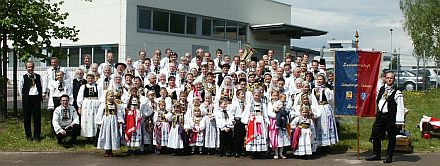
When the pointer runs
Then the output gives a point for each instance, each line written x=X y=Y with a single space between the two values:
x=341 y=18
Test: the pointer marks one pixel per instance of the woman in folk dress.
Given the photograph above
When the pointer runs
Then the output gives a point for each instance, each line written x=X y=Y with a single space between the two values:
x=326 y=130
x=88 y=103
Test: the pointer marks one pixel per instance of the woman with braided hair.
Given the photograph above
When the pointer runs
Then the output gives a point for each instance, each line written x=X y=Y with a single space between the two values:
x=109 y=118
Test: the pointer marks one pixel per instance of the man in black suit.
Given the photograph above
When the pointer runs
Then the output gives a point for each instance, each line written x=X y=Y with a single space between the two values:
x=31 y=93
x=390 y=117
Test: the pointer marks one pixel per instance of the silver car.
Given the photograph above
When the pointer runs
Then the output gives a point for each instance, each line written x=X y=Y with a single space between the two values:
x=408 y=80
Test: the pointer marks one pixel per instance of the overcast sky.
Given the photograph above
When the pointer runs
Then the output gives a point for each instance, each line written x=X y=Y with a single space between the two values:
x=341 y=18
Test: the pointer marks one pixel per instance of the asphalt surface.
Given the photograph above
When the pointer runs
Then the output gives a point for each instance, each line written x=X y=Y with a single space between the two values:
x=97 y=159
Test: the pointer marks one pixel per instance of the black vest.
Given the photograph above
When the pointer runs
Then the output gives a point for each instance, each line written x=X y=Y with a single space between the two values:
x=27 y=83
x=76 y=85
x=392 y=105
x=87 y=91
x=220 y=79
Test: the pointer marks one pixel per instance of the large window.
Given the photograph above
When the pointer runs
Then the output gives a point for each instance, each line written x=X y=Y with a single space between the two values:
x=242 y=32
x=191 y=25
x=74 y=57
x=177 y=23
x=231 y=30
x=206 y=27
x=219 y=29
x=160 y=21
x=144 y=20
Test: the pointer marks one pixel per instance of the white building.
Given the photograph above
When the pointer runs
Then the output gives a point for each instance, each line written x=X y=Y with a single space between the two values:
x=125 y=27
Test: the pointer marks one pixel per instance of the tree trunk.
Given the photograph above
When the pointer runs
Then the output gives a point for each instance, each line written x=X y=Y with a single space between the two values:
x=5 y=75
x=14 y=78
x=2 y=114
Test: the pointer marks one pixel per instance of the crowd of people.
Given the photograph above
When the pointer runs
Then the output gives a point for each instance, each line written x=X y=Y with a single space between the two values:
x=205 y=104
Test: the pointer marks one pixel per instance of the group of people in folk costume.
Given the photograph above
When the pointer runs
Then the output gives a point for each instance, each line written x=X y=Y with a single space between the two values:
x=199 y=104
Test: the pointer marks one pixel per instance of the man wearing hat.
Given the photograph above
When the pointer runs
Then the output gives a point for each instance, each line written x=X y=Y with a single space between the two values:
x=120 y=70
x=225 y=68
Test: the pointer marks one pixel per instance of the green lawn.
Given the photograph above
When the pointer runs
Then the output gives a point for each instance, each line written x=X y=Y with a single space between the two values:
x=12 y=137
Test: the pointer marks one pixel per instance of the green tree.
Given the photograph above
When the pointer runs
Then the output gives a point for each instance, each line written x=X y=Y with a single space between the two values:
x=30 y=25
x=422 y=22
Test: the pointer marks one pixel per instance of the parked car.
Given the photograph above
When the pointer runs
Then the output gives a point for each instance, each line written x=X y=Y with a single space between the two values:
x=432 y=73
x=407 y=80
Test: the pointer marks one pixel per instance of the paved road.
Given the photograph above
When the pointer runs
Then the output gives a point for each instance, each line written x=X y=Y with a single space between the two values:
x=65 y=159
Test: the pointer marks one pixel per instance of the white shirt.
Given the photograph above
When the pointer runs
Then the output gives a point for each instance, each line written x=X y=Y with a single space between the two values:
x=59 y=121
x=33 y=90
x=51 y=76
x=398 y=97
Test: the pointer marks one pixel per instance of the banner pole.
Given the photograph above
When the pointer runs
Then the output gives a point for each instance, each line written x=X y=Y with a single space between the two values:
x=358 y=137
x=357 y=111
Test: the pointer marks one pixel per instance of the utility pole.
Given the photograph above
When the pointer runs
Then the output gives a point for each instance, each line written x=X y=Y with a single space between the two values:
x=391 y=48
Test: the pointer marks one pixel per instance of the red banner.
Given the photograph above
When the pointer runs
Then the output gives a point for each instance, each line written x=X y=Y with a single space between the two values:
x=368 y=72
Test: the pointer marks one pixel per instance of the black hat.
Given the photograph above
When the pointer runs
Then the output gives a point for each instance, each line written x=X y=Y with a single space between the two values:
x=123 y=64
x=225 y=65
x=322 y=62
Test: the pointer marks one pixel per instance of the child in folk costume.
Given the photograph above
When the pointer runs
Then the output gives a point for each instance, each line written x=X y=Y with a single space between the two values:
x=164 y=96
x=161 y=119
x=212 y=133
x=135 y=113
x=109 y=119
x=278 y=131
x=224 y=119
x=304 y=136
x=326 y=131
x=177 y=137
x=197 y=92
x=197 y=136
x=118 y=89
x=149 y=124
x=255 y=116
x=238 y=107
x=88 y=103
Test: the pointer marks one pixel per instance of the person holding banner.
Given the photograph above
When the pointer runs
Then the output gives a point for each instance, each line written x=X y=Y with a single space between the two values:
x=390 y=117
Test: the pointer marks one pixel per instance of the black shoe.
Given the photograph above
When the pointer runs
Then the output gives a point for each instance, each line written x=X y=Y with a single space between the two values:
x=29 y=139
x=237 y=155
x=388 y=160
x=373 y=158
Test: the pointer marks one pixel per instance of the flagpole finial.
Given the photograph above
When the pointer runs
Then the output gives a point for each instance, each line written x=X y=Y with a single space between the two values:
x=357 y=39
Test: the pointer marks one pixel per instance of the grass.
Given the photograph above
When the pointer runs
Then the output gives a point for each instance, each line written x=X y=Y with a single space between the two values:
x=418 y=103
x=12 y=137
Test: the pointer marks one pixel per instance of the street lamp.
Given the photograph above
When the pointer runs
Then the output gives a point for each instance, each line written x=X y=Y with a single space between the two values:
x=391 y=49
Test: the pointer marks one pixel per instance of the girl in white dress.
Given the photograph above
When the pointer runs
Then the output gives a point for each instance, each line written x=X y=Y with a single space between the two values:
x=304 y=136
x=177 y=134
x=161 y=121
x=109 y=120
x=212 y=133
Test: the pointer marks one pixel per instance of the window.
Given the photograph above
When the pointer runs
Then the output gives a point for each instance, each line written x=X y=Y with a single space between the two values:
x=63 y=54
x=160 y=21
x=98 y=54
x=242 y=32
x=206 y=27
x=219 y=28
x=74 y=57
x=177 y=23
x=191 y=24
x=144 y=18
x=231 y=30
x=152 y=20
